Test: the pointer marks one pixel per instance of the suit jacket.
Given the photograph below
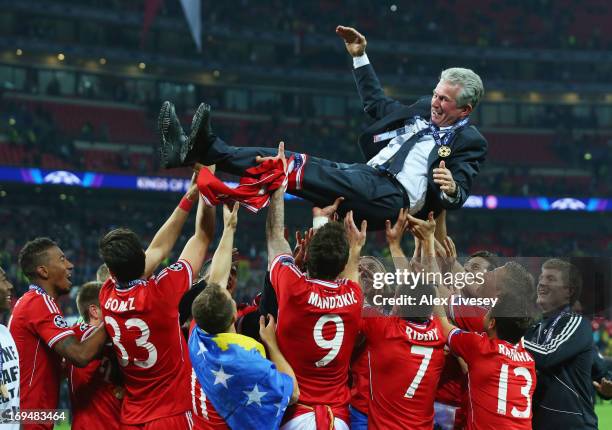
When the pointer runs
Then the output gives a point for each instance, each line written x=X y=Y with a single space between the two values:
x=468 y=149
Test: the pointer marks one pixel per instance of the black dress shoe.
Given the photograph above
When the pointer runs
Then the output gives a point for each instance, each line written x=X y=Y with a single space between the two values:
x=200 y=137
x=173 y=140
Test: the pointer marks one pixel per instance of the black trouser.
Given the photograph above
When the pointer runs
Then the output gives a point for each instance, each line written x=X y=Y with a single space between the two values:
x=369 y=193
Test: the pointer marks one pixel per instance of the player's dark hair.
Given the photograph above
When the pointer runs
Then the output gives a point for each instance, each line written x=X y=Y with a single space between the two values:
x=513 y=315
x=123 y=254
x=571 y=276
x=34 y=254
x=213 y=310
x=88 y=295
x=490 y=257
x=328 y=252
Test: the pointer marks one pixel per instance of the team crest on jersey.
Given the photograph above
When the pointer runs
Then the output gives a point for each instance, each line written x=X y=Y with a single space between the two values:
x=177 y=267
x=83 y=326
x=60 y=322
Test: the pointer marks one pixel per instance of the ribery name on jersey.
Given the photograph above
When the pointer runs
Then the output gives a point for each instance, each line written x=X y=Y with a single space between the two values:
x=117 y=305
x=332 y=302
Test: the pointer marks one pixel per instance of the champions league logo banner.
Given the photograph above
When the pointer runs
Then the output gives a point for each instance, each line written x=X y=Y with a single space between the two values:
x=37 y=176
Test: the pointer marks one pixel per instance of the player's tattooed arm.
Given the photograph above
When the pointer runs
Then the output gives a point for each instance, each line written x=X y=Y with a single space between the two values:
x=221 y=264
x=82 y=353
x=275 y=222
x=356 y=239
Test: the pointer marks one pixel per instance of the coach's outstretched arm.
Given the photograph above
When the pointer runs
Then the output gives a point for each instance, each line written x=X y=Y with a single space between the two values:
x=275 y=222
x=375 y=103
x=221 y=264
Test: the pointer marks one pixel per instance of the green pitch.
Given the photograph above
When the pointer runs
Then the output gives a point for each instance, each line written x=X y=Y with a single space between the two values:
x=604 y=413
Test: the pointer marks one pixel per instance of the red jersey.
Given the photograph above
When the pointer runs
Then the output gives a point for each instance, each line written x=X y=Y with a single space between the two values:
x=36 y=325
x=501 y=381
x=205 y=417
x=143 y=322
x=453 y=383
x=360 y=370
x=96 y=400
x=406 y=360
x=317 y=325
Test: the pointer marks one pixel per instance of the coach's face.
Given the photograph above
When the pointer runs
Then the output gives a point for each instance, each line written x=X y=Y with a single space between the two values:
x=553 y=291
x=444 y=110
x=58 y=270
x=6 y=292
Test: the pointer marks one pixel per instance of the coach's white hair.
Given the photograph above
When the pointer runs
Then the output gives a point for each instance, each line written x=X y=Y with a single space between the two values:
x=472 y=89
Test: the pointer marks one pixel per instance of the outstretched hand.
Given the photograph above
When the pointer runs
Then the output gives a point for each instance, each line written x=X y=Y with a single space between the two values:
x=356 y=238
x=354 y=41
x=394 y=234
x=422 y=229
x=230 y=217
x=328 y=211
x=279 y=156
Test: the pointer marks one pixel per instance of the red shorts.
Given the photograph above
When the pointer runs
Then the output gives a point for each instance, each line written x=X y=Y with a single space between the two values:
x=183 y=421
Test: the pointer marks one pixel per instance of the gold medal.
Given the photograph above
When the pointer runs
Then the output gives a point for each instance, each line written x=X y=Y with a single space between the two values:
x=444 y=151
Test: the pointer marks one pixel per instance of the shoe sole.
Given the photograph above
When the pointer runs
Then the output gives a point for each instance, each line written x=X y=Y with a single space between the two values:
x=163 y=124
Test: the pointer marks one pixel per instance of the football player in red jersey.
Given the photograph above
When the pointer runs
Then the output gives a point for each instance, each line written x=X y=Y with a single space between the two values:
x=501 y=372
x=318 y=315
x=95 y=390
x=40 y=331
x=141 y=316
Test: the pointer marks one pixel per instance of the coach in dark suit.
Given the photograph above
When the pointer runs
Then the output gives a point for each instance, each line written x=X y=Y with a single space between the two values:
x=423 y=157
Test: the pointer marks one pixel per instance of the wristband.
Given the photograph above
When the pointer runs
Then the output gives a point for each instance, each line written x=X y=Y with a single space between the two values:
x=319 y=221
x=186 y=204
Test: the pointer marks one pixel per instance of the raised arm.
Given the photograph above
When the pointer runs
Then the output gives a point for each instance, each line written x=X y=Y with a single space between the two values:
x=356 y=239
x=194 y=251
x=168 y=233
x=275 y=222
x=394 y=236
x=221 y=264
x=375 y=103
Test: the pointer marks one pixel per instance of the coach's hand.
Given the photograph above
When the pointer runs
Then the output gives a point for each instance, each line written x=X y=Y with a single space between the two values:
x=354 y=41
x=444 y=178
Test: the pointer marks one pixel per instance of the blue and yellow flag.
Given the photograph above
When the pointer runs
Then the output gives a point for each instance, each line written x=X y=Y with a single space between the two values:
x=245 y=388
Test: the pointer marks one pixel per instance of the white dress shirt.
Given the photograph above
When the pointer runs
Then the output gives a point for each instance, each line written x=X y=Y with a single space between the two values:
x=413 y=175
